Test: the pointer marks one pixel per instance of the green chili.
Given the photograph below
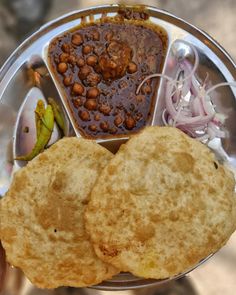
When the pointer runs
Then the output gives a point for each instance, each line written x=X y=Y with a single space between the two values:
x=39 y=112
x=44 y=135
x=57 y=114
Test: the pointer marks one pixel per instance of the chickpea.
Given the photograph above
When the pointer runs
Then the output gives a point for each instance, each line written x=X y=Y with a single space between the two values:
x=106 y=75
x=92 y=60
x=98 y=49
x=66 y=47
x=132 y=68
x=62 y=67
x=64 y=57
x=72 y=59
x=140 y=98
x=129 y=122
x=78 y=88
x=118 y=120
x=77 y=102
x=91 y=104
x=77 y=39
x=97 y=117
x=80 y=62
x=67 y=81
x=84 y=72
x=95 y=35
x=104 y=125
x=84 y=115
x=105 y=109
x=93 y=79
x=109 y=36
x=93 y=92
x=92 y=127
x=87 y=49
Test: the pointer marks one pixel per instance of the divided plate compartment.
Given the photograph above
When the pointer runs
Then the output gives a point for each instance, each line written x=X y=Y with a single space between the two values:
x=18 y=97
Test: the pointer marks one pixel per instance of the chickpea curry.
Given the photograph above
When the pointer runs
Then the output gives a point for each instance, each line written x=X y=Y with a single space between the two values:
x=100 y=66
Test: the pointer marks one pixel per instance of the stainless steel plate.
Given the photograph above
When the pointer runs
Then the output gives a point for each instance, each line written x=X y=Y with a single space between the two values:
x=17 y=96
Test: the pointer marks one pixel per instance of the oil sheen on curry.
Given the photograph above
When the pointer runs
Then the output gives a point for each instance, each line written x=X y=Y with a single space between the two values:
x=100 y=66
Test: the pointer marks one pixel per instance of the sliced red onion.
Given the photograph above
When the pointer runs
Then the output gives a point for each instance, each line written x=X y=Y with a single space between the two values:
x=197 y=108
x=219 y=119
x=233 y=83
x=164 y=114
x=188 y=103
x=186 y=82
x=217 y=131
x=150 y=77
x=186 y=130
x=194 y=86
x=203 y=138
x=195 y=121
x=169 y=102
x=206 y=104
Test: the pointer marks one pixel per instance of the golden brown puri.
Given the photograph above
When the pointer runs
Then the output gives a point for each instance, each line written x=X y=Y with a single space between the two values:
x=42 y=226
x=161 y=205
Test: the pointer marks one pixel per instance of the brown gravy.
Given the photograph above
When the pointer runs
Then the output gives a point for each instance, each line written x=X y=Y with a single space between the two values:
x=100 y=67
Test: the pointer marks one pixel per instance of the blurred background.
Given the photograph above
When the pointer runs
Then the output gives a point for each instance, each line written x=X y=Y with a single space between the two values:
x=20 y=18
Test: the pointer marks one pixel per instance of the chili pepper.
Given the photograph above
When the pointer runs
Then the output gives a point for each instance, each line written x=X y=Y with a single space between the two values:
x=44 y=136
x=57 y=114
x=39 y=112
